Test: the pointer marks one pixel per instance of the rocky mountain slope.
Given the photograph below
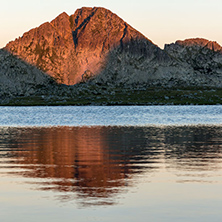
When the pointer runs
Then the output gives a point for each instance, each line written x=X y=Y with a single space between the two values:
x=21 y=79
x=77 y=47
x=48 y=47
x=202 y=57
x=95 y=46
x=190 y=63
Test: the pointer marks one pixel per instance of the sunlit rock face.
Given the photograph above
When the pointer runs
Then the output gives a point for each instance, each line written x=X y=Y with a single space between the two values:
x=200 y=42
x=49 y=47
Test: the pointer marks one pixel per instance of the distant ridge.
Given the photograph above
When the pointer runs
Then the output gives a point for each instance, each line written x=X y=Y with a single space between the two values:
x=213 y=45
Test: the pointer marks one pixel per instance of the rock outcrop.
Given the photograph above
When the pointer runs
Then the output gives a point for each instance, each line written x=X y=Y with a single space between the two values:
x=190 y=63
x=19 y=78
x=200 y=42
x=201 y=57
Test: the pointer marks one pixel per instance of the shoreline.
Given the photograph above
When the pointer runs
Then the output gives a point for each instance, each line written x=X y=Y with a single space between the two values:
x=122 y=97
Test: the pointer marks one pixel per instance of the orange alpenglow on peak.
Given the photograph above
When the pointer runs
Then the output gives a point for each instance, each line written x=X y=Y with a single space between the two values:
x=213 y=45
x=69 y=46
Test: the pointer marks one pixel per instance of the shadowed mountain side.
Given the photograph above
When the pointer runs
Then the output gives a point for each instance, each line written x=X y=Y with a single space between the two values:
x=201 y=58
x=21 y=81
x=197 y=64
x=19 y=78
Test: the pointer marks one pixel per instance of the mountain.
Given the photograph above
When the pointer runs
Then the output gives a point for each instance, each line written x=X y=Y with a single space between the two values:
x=74 y=48
x=96 y=46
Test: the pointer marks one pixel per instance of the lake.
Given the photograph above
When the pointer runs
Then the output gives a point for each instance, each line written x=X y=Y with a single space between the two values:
x=117 y=163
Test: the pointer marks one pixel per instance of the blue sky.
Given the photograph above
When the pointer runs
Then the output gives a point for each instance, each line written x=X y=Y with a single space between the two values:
x=162 y=21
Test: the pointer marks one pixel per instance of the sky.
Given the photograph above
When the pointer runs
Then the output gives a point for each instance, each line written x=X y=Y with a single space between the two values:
x=161 y=21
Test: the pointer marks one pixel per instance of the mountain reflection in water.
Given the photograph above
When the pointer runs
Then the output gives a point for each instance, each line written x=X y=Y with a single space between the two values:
x=97 y=163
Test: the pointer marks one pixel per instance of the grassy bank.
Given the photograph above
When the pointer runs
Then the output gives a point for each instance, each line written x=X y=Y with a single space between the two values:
x=118 y=96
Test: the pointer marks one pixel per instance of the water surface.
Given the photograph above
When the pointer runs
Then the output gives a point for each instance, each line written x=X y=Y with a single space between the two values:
x=109 y=115
x=135 y=172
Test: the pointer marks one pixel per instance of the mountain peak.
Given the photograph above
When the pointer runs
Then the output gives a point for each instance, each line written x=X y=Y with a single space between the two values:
x=62 y=15
x=69 y=46
x=212 y=45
